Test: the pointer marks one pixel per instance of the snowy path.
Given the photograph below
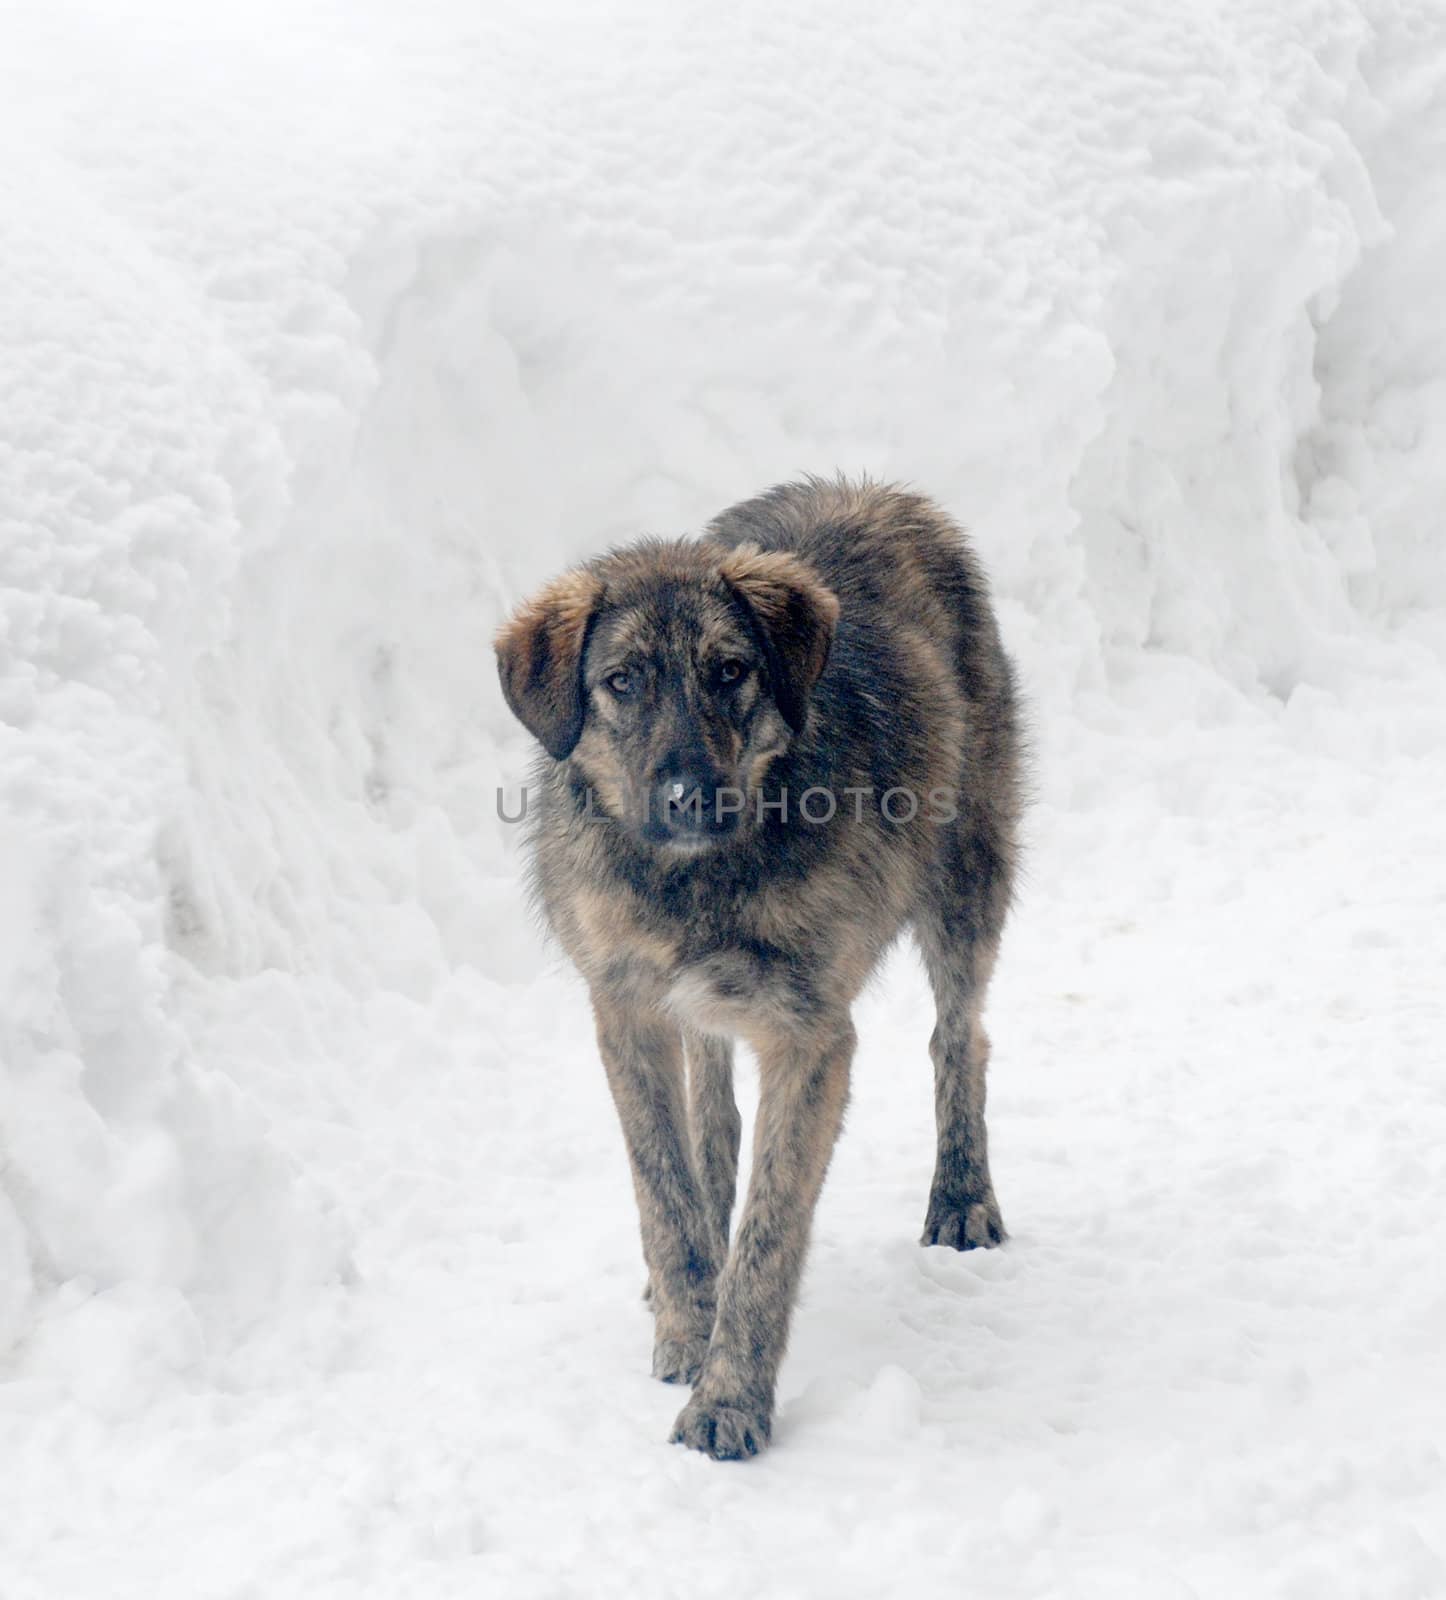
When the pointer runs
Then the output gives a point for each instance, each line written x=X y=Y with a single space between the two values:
x=1208 y=1363
x=326 y=331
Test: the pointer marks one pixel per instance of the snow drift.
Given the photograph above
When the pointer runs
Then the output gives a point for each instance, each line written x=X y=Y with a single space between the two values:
x=321 y=342
x=326 y=332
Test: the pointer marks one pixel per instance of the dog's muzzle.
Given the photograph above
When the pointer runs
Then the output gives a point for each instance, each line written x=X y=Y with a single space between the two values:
x=688 y=809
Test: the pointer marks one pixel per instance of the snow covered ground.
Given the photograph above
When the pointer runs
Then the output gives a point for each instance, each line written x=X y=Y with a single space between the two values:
x=326 y=330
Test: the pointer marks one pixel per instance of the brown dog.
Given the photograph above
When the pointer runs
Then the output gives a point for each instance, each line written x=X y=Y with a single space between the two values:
x=768 y=751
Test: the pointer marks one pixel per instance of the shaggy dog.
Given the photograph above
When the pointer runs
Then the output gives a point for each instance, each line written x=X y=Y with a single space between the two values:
x=770 y=750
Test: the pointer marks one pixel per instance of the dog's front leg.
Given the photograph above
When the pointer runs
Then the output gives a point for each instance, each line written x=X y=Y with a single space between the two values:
x=642 y=1051
x=803 y=1086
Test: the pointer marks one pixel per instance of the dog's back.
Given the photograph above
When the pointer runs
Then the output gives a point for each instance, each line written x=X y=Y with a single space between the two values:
x=917 y=660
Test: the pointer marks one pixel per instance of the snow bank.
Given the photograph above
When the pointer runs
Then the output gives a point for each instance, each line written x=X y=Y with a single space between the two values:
x=326 y=332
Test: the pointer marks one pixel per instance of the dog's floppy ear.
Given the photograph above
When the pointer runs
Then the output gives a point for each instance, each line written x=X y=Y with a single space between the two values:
x=539 y=659
x=796 y=614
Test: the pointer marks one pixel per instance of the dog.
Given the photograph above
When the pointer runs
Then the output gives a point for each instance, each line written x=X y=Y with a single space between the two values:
x=768 y=750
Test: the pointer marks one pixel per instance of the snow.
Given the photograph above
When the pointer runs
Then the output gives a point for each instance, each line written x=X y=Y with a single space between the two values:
x=327 y=331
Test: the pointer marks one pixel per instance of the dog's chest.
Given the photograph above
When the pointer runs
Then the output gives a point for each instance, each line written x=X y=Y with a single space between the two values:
x=737 y=991
x=717 y=973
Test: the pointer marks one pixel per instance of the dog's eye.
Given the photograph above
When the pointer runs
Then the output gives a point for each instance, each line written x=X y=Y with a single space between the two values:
x=621 y=683
x=731 y=671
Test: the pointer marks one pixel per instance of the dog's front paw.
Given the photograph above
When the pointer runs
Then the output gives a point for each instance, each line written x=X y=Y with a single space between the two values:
x=725 y=1432
x=679 y=1360
x=964 y=1224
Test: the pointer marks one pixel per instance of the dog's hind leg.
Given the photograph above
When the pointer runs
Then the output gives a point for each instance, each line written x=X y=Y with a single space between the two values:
x=715 y=1124
x=642 y=1052
x=958 y=928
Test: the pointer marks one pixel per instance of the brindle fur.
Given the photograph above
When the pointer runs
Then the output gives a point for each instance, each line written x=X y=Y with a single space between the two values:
x=873 y=662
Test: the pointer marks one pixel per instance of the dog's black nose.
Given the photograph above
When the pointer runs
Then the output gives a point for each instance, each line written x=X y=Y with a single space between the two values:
x=682 y=802
x=687 y=805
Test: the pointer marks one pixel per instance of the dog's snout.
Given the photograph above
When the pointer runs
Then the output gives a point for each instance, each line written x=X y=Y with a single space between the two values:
x=680 y=792
x=691 y=802
x=682 y=800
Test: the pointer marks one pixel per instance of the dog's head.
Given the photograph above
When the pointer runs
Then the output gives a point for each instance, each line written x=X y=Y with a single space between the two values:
x=671 y=674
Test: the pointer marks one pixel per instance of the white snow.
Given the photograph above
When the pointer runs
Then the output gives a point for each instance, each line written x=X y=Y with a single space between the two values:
x=326 y=331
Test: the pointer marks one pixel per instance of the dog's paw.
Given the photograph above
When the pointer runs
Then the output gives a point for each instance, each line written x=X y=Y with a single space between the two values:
x=964 y=1225
x=679 y=1360
x=725 y=1432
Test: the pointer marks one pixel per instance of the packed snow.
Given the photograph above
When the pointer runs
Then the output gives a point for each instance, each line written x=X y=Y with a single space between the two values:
x=326 y=332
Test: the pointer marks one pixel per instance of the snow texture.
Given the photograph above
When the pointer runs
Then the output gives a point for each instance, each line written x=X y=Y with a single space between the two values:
x=326 y=331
